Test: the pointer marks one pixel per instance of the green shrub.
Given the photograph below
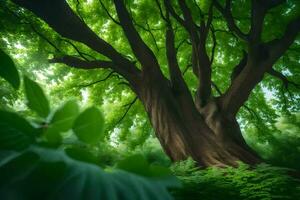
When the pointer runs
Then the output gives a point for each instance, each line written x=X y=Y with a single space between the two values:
x=263 y=182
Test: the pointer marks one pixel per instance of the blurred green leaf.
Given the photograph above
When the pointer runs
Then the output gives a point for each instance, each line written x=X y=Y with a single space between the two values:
x=89 y=125
x=53 y=136
x=61 y=121
x=139 y=165
x=64 y=117
x=82 y=154
x=40 y=173
x=159 y=171
x=136 y=164
x=8 y=70
x=15 y=132
x=37 y=100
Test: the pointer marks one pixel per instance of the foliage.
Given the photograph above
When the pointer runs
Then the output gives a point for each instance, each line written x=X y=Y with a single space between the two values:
x=36 y=98
x=29 y=169
x=282 y=146
x=264 y=182
x=8 y=70
x=39 y=172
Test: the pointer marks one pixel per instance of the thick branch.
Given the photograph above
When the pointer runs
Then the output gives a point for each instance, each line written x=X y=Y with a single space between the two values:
x=214 y=40
x=82 y=64
x=200 y=59
x=204 y=88
x=258 y=12
x=239 y=67
x=189 y=21
x=189 y=26
x=175 y=73
x=58 y=15
x=143 y=53
x=258 y=64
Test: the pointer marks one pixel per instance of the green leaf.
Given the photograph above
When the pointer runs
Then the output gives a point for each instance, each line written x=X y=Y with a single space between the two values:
x=139 y=165
x=89 y=126
x=61 y=121
x=8 y=70
x=82 y=154
x=64 y=117
x=136 y=164
x=159 y=171
x=39 y=173
x=37 y=100
x=53 y=136
x=15 y=132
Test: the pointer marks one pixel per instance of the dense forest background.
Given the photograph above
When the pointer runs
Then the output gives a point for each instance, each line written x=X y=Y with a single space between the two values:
x=84 y=133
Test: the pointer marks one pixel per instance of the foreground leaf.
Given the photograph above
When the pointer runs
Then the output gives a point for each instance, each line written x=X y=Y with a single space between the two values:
x=15 y=132
x=43 y=173
x=64 y=117
x=61 y=121
x=8 y=70
x=82 y=154
x=89 y=126
x=37 y=100
x=139 y=165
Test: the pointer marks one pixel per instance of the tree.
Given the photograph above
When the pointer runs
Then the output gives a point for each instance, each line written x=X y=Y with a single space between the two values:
x=201 y=123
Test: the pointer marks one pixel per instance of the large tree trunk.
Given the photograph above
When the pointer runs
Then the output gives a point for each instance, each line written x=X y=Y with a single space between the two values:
x=208 y=135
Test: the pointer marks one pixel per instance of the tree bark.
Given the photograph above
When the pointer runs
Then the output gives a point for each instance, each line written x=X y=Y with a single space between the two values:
x=210 y=136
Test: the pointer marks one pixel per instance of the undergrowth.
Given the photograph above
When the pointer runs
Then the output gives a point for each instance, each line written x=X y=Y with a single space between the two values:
x=264 y=182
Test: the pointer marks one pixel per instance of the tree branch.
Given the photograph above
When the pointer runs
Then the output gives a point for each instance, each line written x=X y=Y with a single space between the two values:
x=149 y=30
x=283 y=78
x=258 y=12
x=239 y=67
x=277 y=47
x=111 y=74
x=160 y=10
x=170 y=8
x=175 y=73
x=214 y=39
x=76 y=49
x=216 y=88
x=129 y=105
x=82 y=64
x=44 y=37
x=108 y=14
x=200 y=59
x=226 y=12
x=65 y=22
x=260 y=60
x=142 y=52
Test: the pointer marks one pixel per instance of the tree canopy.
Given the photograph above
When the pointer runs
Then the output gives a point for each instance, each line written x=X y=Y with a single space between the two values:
x=126 y=32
